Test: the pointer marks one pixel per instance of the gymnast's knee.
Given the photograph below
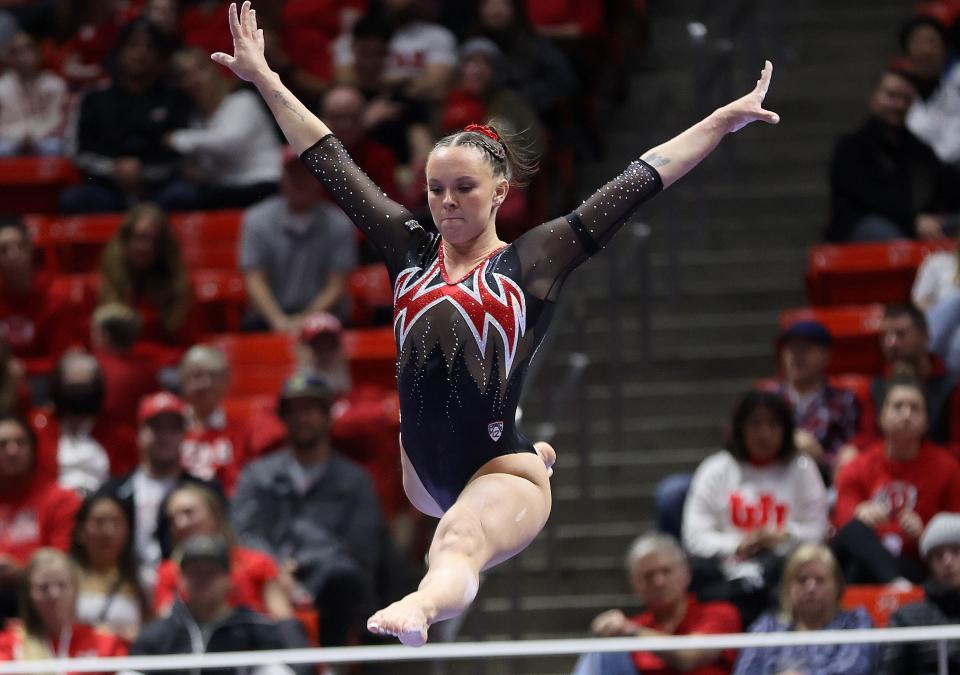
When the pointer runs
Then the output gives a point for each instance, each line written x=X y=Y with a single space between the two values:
x=462 y=534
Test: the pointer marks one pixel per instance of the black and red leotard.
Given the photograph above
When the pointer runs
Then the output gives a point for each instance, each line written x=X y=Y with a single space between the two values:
x=463 y=345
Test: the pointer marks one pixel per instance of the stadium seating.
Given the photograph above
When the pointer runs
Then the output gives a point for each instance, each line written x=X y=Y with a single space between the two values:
x=855 y=331
x=371 y=295
x=33 y=184
x=861 y=273
x=880 y=602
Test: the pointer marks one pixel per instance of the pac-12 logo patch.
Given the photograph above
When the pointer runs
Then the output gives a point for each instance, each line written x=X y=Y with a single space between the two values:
x=495 y=429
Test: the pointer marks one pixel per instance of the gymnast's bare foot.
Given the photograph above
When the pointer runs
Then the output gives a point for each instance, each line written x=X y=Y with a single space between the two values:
x=547 y=454
x=405 y=619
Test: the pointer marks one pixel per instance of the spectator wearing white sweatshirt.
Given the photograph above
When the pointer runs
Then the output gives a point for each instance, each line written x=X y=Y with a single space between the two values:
x=750 y=504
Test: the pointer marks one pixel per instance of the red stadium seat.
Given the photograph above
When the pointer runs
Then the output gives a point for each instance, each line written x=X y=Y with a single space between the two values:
x=33 y=184
x=248 y=407
x=223 y=297
x=371 y=295
x=879 y=601
x=372 y=355
x=259 y=362
x=208 y=240
x=860 y=273
x=855 y=331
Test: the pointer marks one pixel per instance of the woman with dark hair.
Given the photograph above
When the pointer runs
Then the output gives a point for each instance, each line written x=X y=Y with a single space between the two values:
x=751 y=503
x=142 y=267
x=193 y=510
x=470 y=311
x=49 y=628
x=35 y=512
x=110 y=594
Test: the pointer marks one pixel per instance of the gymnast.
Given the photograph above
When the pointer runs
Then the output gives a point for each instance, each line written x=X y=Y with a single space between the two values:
x=469 y=313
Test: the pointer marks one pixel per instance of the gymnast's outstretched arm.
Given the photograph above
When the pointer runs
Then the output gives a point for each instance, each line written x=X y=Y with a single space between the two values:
x=379 y=217
x=549 y=252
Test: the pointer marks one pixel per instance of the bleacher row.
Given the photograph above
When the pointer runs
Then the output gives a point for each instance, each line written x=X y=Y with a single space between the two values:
x=70 y=247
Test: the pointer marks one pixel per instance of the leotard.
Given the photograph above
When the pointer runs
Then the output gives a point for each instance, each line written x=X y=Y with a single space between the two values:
x=463 y=345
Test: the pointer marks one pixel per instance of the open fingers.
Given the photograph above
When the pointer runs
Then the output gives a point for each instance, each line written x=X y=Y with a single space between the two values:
x=245 y=19
x=233 y=20
x=764 y=82
x=252 y=23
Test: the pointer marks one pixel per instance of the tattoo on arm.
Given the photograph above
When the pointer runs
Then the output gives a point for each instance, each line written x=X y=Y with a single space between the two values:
x=286 y=104
x=655 y=160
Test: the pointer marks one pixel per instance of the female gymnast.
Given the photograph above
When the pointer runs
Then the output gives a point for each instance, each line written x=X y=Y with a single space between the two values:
x=469 y=313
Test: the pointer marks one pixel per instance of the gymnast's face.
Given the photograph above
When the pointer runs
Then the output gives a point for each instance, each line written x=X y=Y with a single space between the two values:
x=462 y=192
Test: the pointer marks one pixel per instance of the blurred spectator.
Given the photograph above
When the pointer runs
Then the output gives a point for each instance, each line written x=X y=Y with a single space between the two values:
x=110 y=595
x=936 y=291
x=750 y=504
x=391 y=118
x=69 y=446
x=890 y=490
x=193 y=510
x=33 y=102
x=934 y=116
x=421 y=56
x=165 y=14
x=660 y=578
x=215 y=445
x=810 y=594
x=203 y=25
x=316 y=512
x=343 y=110
x=885 y=182
x=904 y=339
x=85 y=33
x=532 y=66
x=204 y=621
x=49 y=627
x=321 y=336
x=826 y=417
x=36 y=316
x=34 y=512
x=162 y=424
x=940 y=547
x=121 y=130
x=231 y=142
x=14 y=394
x=128 y=376
x=296 y=251
x=142 y=267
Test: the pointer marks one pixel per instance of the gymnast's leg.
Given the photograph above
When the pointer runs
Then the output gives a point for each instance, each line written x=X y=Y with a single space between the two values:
x=498 y=514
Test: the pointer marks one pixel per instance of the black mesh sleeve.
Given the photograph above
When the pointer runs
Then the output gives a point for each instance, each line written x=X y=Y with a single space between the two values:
x=386 y=223
x=549 y=252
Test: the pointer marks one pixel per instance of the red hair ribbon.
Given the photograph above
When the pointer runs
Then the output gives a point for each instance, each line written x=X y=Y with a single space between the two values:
x=483 y=129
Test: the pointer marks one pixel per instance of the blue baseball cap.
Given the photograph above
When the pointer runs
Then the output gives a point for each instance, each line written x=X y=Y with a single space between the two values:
x=814 y=331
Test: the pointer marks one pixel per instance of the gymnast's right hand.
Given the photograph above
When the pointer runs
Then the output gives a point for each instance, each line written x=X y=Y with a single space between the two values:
x=248 y=62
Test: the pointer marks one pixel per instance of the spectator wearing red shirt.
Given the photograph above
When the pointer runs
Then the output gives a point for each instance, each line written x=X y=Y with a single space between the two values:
x=34 y=512
x=14 y=393
x=660 y=577
x=257 y=581
x=86 y=33
x=891 y=490
x=36 y=318
x=142 y=266
x=49 y=628
x=904 y=338
x=128 y=373
x=215 y=444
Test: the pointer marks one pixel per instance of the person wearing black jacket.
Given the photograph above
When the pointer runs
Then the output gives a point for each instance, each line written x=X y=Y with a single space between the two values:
x=886 y=183
x=121 y=130
x=940 y=547
x=203 y=620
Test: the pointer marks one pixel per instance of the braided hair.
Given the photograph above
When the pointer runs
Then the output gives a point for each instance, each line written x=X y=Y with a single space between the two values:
x=506 y=152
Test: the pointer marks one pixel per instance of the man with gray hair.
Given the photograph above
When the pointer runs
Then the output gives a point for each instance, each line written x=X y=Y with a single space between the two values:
x=215 y=445
x=659 y=575
x=940 y=548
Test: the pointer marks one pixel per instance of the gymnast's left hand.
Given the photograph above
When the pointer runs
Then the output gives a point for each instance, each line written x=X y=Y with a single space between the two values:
x=746 y=109
x=248 y=62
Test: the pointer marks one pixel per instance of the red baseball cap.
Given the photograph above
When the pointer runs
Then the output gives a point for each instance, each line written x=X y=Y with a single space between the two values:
x=158 y=404
x=319 y=323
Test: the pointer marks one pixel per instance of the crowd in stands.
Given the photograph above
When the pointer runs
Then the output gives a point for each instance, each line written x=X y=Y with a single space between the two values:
x=198 y=426
x=833 y=487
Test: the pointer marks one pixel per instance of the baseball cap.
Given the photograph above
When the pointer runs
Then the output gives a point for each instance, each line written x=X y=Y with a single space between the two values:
x=814 y=331
x=158 y=404
x=205 y=547
x=304 y=385
x=319 y=323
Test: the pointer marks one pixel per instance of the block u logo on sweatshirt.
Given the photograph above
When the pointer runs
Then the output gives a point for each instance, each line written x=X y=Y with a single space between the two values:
x=764 y=511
